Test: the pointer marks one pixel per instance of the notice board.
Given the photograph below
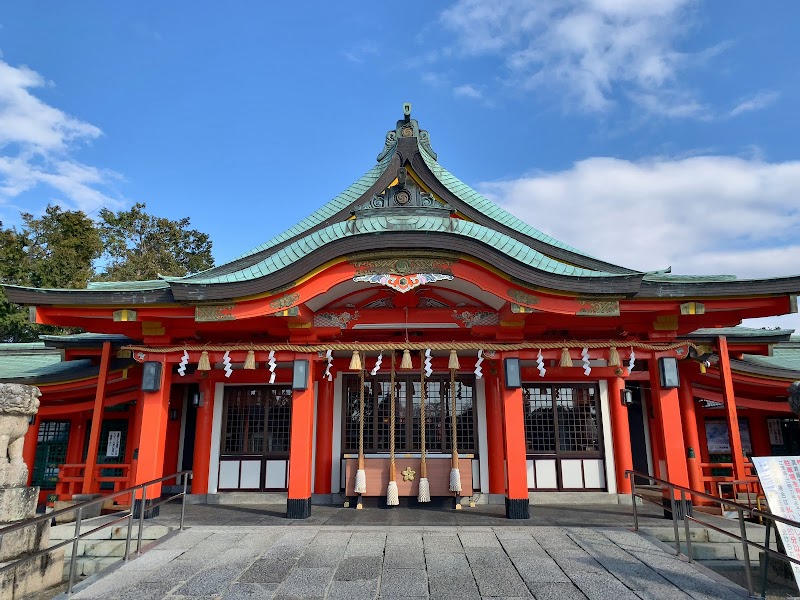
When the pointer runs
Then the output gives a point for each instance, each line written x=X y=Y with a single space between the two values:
x=780 y=479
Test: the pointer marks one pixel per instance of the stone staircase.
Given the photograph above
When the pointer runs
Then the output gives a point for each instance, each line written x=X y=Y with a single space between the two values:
x=101 y=549
x=708 y=544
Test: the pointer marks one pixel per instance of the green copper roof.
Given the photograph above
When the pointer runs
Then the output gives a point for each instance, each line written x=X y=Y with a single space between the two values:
x=661 y=277
x=782 y=358
x=13 y=365
x=740 y=332
x=421 y=223
x=152 y=284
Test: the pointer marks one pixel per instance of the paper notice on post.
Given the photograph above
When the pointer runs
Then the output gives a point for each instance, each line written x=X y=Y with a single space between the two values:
x=780 y=479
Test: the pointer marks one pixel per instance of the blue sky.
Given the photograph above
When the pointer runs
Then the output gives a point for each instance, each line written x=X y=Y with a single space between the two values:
x=647 y=133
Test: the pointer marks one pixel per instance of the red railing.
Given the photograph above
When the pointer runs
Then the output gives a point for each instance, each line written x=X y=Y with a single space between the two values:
x=71 y=476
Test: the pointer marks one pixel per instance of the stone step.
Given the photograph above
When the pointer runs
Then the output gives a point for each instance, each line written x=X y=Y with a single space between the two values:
x=545 y=498
x=714 y=551
x=86 y=566
x=103 y=548
x=118 y=531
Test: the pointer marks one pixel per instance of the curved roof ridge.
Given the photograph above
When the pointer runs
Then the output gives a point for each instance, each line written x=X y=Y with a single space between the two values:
x=289 y=254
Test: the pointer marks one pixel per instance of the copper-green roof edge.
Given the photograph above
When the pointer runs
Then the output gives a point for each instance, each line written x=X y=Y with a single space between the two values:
x=373 y=225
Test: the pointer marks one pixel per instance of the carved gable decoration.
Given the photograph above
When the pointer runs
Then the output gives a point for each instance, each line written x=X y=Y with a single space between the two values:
x=404 y=274
x=598 y=307
x=406 y=196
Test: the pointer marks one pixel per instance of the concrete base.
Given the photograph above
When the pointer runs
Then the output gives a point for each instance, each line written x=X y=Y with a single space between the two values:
x=544 y=498
x=298 y=508
x=18 y=503
x=86 y=513
x=31 y=576
x=25 y=541
x=517 y=509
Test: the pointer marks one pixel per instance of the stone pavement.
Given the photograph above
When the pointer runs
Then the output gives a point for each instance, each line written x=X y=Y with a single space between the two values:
x=353 y=562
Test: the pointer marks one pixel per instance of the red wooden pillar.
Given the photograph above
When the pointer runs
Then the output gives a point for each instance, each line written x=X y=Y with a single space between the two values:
x=621 y=434
x=759 y=433
x=298 y=505
x=324 y=445
x=689 y=423
x=667 y=406
x=29 y=449
x=201 y=461
x=737 y=455
x=154 y=409
x=97 y=419
x=517 y=503
x=494 y=433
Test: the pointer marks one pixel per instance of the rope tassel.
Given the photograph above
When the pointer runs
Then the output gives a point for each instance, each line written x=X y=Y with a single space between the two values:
x=392 y=496
x=250 y=361
x=613 y=357
x=406 y=362
x=453 y=363
x=424 y=492
x=361 y=475
x=566 y=359
x=455 y=474
x=355 y=361
x=204 y=364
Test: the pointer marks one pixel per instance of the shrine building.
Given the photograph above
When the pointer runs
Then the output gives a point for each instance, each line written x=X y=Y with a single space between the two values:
x=408 y=340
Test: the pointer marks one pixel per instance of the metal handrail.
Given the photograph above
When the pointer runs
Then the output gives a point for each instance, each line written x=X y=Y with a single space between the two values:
x=740 y=509
x=78 y=508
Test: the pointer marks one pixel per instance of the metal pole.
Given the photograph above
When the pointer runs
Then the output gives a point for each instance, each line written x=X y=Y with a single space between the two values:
x=743 y=531
x=686 y=526
x=633 y=500
x=141 y=519
x=672 y=502
x=183 y=498
x=130 y=529
x=74 y=560
x=765 y=566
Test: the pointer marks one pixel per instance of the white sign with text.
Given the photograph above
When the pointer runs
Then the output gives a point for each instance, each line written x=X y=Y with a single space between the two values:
x=780 y=479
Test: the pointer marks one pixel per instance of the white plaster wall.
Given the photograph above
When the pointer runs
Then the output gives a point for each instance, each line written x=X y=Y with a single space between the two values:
x=216 y=438
x=608 y=441
x=483 y=444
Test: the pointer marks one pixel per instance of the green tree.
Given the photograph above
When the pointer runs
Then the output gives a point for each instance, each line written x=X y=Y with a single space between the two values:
x=56 y=250
x=139 y=246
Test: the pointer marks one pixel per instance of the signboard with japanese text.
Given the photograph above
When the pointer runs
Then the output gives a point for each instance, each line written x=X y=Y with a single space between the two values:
x=780 y=479
x=112 y=448
x=775 y=432
x=718 y=440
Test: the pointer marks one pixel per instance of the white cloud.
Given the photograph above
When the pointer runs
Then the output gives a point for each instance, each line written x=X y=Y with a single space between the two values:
x=596 y=50
x=36 y=145
x=701 y=215
x=467 y=91
x=757 y=101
